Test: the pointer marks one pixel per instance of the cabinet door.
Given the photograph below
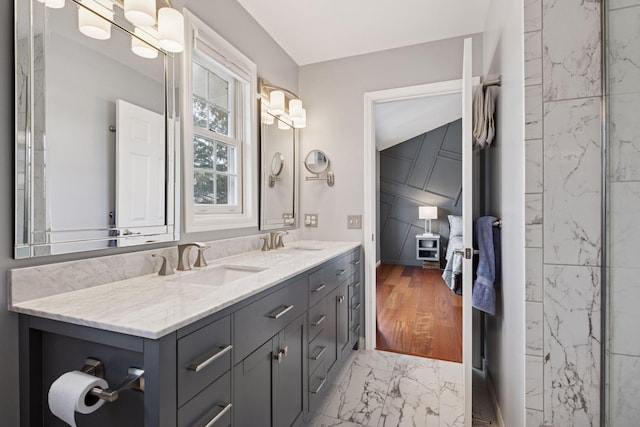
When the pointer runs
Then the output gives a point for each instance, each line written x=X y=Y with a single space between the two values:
x=252 y=393
x=288 y=374
x=342 y=304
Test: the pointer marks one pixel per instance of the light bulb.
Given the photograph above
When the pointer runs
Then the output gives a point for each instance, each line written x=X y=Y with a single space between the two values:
x=171 y=30
x=276 y=102
x=141 y=13
x=301 y=123
x=95 y=22
x=142 y=43
x=295 y=109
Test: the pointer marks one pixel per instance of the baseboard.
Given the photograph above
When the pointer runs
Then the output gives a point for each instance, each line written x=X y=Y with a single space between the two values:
x=492 y=395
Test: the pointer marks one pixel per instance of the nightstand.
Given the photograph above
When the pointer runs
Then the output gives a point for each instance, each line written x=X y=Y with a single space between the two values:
x=428 y=247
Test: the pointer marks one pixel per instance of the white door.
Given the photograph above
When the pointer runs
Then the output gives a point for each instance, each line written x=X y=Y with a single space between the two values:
x=140 y=172
x=467 y=227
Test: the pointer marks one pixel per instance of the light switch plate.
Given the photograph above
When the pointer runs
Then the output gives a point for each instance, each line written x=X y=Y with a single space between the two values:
x=354 y=221
x=311 y=220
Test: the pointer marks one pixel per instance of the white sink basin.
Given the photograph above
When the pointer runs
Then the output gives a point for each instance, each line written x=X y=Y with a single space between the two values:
x=218 y=275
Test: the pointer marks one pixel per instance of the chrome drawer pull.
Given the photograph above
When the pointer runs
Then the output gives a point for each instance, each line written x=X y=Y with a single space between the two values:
x=320 y=320
x=356 y=262
x=340 y=299
x=200 y=365
x=356 y=285
x=319 y=355
x=356 y=329
x=357 y=307
x=282 y=312
x=319 y=288
x=340 y=272
x=219 y=415
x=316 y=391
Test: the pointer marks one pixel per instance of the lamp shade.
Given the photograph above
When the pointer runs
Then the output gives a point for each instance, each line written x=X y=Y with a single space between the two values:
x=295 y=109
x=141 y=13
x=428 y=212
x=94 y=21
x=171 y=30
x=142 y=43
x=302 y=122
x=53 y=4
x=276 y=102
x=283 y=124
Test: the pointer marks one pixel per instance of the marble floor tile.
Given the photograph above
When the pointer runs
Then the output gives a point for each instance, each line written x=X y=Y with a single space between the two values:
x=324 y=421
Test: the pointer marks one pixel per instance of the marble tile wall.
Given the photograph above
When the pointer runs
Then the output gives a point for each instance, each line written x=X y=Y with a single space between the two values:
x=623 y=345
x=562 y=214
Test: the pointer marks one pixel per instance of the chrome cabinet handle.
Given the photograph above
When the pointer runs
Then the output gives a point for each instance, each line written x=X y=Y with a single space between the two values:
x=320 y=320
x=340 y=299
x=316 y=391
x=319 y=288
x=356 y=262
x=319 y=355
x=224 y=409
x=281 y=354
x=281 y=312
x=199 y=365
x=356 y=329
x=357 y=307
x=356 y=285
x=340 y=272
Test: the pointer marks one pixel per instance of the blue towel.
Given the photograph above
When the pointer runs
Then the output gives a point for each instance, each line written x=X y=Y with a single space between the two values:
x=484 y=295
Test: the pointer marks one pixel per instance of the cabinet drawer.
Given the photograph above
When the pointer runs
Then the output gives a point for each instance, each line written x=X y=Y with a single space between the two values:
x=318 y=388
x=203 y=356
x=318 y=318
x=338 y=271
x=318 y=288
x=261 y=320
x=318 y=349
x=213 y=403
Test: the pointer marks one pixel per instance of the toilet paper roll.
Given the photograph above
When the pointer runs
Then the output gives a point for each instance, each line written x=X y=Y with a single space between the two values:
x=68 y=395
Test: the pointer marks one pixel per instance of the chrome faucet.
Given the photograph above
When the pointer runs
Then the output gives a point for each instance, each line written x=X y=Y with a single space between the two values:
x=277 y=241
x=183 y=256
x=165 y=268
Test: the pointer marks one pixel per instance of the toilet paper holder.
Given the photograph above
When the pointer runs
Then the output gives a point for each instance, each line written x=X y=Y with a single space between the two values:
x=133 y=381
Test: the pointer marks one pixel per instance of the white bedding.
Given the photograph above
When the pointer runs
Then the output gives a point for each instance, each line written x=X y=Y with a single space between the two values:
x=454 y=261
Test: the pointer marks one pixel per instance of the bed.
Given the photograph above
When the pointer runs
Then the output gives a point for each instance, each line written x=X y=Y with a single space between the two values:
x=452 y=274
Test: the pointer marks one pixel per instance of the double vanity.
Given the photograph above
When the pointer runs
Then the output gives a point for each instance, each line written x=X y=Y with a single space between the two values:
x=254 y=339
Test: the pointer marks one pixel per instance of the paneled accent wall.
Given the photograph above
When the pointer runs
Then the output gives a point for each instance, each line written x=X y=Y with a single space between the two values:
x=423 y=171
x=562 y=220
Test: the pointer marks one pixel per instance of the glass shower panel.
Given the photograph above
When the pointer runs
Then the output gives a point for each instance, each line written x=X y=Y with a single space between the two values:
x=622 y=96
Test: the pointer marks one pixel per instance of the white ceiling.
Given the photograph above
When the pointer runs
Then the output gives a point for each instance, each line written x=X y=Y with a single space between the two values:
x=399 y=121
x=320 y=30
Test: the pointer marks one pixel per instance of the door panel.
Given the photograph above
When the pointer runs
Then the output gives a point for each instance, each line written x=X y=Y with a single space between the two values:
x=288 y=379
x=252 y=393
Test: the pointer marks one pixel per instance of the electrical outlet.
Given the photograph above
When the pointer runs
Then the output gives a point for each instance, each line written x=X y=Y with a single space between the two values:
x=354 y=221
x=311 y=220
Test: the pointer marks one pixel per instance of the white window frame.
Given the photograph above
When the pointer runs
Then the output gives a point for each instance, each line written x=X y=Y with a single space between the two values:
x=231 y=62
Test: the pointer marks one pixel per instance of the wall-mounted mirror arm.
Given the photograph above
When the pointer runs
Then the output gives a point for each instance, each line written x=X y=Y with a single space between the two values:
x=330 y=178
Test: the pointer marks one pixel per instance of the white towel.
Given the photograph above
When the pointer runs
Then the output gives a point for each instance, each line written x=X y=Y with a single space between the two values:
x=478 y=116
x=483 y=111
x=489 y=111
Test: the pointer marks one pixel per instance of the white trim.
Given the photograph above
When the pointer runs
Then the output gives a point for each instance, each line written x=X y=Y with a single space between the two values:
x=494 y=399
x=245 y=70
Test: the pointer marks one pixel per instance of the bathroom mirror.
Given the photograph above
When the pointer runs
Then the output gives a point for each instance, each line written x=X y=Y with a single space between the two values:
x=316 y=162
x=278 y=186
x=94 y=144
x=277 y=163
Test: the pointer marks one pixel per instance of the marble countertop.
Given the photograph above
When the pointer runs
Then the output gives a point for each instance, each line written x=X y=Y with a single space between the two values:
x=152 y=306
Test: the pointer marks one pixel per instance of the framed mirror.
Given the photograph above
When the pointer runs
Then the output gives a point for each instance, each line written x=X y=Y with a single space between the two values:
x=95 y=145
x=278 y=171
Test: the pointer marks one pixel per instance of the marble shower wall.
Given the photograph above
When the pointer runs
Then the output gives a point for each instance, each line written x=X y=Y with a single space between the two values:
x=623 y=345
x=562 y=223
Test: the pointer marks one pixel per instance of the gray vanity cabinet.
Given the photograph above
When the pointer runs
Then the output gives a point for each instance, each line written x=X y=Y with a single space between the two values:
x=269 y=385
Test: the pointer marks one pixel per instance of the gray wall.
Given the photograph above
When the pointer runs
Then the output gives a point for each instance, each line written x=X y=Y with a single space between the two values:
x=423 y=171
x=333 y=93
x=231 y=21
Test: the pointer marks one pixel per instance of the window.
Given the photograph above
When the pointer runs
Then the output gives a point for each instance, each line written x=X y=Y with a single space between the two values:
x=219 y=137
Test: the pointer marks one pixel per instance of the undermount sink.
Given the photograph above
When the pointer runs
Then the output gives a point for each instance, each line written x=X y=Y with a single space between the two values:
x=219 y=275
x=306 y=248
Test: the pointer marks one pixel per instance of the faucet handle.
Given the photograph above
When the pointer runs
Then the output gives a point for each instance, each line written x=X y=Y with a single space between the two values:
x=280 y=242
x=165 y=268
x=200 y=260
x=265 y=245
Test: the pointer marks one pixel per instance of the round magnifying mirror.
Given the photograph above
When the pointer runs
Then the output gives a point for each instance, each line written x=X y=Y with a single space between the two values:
x=316 y=162
x=277 y=163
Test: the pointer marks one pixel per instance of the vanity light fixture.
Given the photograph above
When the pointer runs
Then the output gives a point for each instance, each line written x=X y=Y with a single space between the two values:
x=171 y=30
x=94 y=20
x=295 y=109
x=284 y=104
x=53 y=4
x=301 y=122
x=141 y=13
x=143 y=43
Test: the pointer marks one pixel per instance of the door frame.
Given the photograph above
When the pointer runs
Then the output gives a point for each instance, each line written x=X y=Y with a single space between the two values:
x=370 y=179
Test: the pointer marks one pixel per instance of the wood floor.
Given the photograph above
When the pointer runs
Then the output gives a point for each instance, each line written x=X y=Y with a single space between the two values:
x=417 y=313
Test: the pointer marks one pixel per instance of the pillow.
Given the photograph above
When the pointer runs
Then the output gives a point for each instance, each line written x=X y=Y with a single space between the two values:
x=455 y=225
